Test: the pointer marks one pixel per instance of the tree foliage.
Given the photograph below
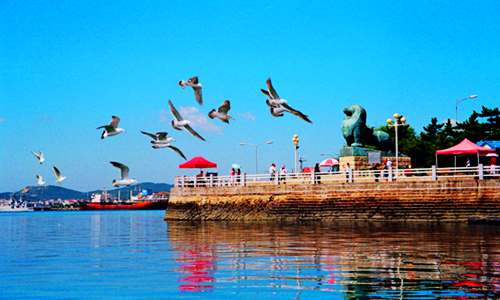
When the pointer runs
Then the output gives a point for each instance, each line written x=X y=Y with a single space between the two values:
x=484 y=125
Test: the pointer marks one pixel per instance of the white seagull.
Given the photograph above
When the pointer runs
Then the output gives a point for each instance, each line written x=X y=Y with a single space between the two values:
x=222 y=112
x=39 y=156
x=39 y=180
x=58 y=175
x=278 y=105
x=162 y=140
x=159 y=137
x=112 y=128
x=125 y=180
x=196 y=85
x=179 y=123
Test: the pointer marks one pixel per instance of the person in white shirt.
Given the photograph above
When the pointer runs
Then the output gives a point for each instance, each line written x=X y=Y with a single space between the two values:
x=272 y=171
x=282 y=175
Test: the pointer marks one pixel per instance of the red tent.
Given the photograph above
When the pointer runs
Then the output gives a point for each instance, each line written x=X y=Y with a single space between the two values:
x=198 y=162
x=465 y=147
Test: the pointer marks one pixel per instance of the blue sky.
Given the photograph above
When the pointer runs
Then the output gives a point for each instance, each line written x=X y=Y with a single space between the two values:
x=67 y=66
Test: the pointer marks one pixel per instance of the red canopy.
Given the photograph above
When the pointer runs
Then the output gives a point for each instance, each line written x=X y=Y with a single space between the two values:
x=198 y=162
x=465 y=147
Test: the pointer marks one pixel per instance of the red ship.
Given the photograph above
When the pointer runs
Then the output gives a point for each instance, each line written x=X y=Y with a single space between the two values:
x=102 y=202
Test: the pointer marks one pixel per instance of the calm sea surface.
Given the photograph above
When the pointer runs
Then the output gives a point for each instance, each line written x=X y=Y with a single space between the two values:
x=93 y=255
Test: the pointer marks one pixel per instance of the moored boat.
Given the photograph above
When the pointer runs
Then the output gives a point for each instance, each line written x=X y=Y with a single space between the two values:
x=103 y=202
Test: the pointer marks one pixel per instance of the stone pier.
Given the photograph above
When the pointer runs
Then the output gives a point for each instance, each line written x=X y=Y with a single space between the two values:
x=443 y=200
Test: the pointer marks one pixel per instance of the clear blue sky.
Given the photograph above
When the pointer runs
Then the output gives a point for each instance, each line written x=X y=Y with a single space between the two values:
x=67 y=66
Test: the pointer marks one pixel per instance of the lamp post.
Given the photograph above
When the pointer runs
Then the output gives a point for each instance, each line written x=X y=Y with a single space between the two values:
x=256 y=152
x=399 y=120
x=458 y=101
x=295 y=141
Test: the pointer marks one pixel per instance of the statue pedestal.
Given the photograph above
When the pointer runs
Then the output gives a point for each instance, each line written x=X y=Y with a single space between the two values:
x=357 y=157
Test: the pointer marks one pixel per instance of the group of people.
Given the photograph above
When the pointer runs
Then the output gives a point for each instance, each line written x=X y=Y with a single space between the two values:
x=281 y=173
x=235 y=175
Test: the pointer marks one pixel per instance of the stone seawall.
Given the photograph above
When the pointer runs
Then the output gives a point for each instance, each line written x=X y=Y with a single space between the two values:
x=443 y=200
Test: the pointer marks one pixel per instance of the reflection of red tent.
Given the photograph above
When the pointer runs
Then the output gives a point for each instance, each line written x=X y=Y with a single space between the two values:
x=464 y=147
x=198 y=162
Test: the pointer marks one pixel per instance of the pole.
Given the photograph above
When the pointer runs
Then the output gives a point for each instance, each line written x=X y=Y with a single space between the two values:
x=256 y=160
x=295 y=159
x=397 y=154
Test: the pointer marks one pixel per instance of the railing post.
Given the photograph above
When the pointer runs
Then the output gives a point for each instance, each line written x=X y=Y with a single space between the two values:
x=351 y=171
x=390 y=174
x=434 y=173
x=276 y=179
x=480 y=171
x=312 y=177
x=243 y=179
x=195 y=181
x=211 y=180
x=182 y=182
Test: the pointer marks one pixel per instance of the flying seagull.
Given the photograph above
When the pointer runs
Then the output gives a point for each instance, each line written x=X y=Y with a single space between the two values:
x=112 y=128
x=58 y=175
x=39 y=156
x=159 y=137
x=175 y=149
x=179 y=123
x=222 y=112
x=39 y=180
x=125 y=180
x=162 y=140
x=278 y=105
x=196 y=85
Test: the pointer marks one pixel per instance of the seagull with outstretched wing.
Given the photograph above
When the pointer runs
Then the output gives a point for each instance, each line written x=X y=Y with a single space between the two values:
x=179 y=123
x=124 y=170
x=39 y=180
x=196 y=85
x=162 y=140
x=159 y=137
x=59 y=177
x=39 y=156
x=278 y=105
x=111 y=129
x=222 y=112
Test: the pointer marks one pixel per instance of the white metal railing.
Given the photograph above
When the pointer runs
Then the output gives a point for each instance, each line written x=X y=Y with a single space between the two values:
x=343 y=176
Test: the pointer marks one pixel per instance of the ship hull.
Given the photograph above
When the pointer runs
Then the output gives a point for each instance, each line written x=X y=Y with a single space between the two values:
x=138 y=205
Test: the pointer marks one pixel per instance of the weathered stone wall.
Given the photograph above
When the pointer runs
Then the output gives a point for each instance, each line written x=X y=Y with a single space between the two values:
x=442 y=200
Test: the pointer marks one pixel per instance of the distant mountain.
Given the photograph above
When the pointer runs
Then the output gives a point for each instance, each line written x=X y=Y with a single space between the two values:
x=58 y=192
x=47 y=192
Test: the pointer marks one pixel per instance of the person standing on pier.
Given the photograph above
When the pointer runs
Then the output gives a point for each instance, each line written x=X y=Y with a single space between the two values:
x=272 y=172
x=231 y=176
x=282 y=175
x=317 y=178
x=348 y=172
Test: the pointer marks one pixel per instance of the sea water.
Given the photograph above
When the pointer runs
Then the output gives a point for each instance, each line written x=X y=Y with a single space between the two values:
x=137 y=255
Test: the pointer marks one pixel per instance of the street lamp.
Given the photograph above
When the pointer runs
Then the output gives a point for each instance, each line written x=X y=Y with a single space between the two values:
x=256 y=152
x=399 y=120
x=295 y=141
x=458 y=101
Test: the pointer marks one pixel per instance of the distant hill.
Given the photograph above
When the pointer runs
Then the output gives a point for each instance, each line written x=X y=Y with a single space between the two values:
x=47 y=192
x=58 y=192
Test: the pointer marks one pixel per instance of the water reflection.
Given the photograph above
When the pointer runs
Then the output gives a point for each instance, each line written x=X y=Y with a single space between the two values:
x=347 y=260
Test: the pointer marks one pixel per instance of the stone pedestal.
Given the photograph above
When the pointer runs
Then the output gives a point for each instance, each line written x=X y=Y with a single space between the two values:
x=357 y=157
x=361 y=162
